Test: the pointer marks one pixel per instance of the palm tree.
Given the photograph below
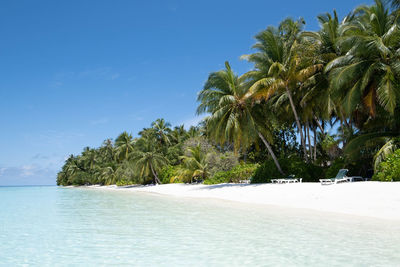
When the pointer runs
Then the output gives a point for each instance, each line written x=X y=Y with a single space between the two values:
x=163 y=130
x=147 y=159
x=194 y=164
x=279 y=68
x=232 y=119
x=124 y=145
x=394 y=3
x=89 y=156
x=107 y=150
x=367 y=75
x=108 y=174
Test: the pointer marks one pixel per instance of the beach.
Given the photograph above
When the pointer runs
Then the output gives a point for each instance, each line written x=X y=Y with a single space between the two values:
x=371 y=199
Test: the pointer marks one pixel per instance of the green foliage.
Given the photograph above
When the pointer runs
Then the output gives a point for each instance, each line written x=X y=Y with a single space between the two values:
x=292 y=165
x=235 y=175
x=389 y=170
x=220 y=162
x=168 y=174
x=218 y=178
x=123 y=182
x=336 y=165
x=346 y=73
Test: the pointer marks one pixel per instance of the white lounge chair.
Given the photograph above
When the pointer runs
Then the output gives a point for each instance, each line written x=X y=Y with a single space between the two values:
x=288 y=180
x=340 y=178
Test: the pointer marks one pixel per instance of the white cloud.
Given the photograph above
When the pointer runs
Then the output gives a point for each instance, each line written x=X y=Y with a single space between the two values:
x=28 y=175
x=28 y=170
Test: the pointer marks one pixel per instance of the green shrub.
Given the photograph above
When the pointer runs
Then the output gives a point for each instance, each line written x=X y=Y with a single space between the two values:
x=124 y=182
x=235 y=175
x=336 y=165
x=242 y=172
x=167 y=174
x=217 y=161
x=389 y=170
x=291 y=165
x=265 y=173
x=218 y=178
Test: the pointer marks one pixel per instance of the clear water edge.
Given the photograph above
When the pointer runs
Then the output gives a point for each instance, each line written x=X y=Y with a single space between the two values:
x=50 y=226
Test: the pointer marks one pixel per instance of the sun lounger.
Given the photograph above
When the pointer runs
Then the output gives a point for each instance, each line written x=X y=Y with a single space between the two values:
x=289 y=179
x=340 y=178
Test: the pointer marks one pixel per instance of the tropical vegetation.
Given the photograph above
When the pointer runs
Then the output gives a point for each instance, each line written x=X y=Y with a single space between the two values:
x=314 y=102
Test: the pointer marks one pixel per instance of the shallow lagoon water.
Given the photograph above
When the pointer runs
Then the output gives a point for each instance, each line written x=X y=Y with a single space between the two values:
x=51 y=226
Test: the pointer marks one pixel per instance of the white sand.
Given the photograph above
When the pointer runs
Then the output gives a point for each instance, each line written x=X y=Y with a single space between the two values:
x=372 y=199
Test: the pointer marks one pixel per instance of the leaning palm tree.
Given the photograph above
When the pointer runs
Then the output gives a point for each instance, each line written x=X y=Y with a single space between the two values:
x=148 y=160
x=279 y=67
x=124 y=145
x=224 y=96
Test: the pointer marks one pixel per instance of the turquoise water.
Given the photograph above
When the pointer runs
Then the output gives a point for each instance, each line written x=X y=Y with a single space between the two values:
x=50 y=226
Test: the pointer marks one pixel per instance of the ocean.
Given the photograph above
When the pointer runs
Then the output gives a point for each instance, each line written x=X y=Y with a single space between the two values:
x=53 y=226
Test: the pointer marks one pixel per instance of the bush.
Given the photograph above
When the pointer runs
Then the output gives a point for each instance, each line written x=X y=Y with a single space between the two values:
x=292 y=165
x=237 y=173
x=389 y=170
x=220 y=177
x=168 y=173
x=336 y=165
x=124 y=182
x=217 y=161
x=243 y=172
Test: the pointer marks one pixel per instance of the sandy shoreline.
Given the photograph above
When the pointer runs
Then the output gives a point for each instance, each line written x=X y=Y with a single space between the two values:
x=372 y=199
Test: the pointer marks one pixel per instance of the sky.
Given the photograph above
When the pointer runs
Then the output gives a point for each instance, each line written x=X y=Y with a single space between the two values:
x=74 y=73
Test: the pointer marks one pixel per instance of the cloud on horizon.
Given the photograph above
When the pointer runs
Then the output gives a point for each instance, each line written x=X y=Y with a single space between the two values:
x=27 y=175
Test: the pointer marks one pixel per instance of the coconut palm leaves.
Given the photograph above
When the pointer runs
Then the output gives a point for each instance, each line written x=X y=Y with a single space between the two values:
x=162 y=130
x=280 y=69
x=124 y=145
x=225 y=96
x=148 y=160
x=194 y=165
x=367 y=75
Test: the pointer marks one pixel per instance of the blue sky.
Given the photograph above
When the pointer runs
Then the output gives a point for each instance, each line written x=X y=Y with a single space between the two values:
x=74 y=73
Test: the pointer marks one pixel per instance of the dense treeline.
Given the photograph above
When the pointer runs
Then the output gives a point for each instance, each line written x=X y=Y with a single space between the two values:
x=335 y=90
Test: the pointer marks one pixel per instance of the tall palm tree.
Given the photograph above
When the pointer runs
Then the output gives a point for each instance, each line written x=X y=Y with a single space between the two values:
x=124 y=145
x=224 y=96
x=279 y=67
x=367 y=75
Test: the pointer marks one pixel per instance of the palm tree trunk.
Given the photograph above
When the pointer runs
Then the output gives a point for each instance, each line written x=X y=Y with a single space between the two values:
x=271 y=153
x=303 y=142
x=156 y=180
x=309 y=139
x=315 y=144
x=305 y=139
x=319 y=125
